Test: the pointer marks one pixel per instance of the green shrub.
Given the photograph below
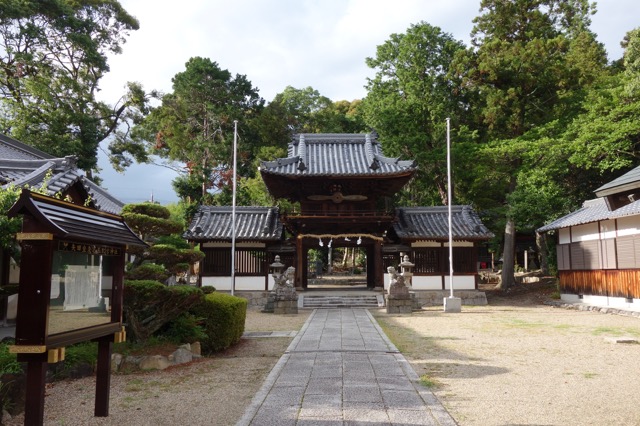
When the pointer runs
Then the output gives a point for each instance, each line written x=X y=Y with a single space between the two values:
x=148 y=271
x=224 y=316
x=149 y=305
x=186 y=328
x=8 y=361
x=208 y=289
x=173 y=240
x=148 y=209
x=79 y=360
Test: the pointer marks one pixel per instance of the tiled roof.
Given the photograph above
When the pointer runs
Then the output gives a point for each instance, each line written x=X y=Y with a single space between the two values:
x=628 y=181
x=252 y=224
x=11 y=148
x=592 y=211
x=63 y=174
x=102 y=199
x=329 y=154
x=22 y=165
x=432 y=223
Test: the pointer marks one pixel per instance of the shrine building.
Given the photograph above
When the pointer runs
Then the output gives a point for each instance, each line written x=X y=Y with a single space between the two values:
x=343 y=185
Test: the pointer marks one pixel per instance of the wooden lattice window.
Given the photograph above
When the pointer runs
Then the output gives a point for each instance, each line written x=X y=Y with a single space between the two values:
x=463 y=260
x=248 y=262
x=428 y=261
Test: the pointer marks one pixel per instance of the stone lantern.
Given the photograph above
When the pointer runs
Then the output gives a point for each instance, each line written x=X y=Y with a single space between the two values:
x=276 y=268
x=406 y=267
x=283 y=298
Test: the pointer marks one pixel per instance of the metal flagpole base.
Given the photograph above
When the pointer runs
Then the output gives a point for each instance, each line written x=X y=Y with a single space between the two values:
x=452 y=304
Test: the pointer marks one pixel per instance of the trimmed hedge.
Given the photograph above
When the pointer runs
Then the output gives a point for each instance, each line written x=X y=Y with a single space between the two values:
x=224 y=316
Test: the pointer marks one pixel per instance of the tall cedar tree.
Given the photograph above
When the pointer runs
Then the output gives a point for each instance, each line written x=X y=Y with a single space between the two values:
x=528 y=60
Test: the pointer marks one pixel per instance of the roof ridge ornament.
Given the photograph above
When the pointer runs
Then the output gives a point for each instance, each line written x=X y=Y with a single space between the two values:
x=302 y=154
x=372 y=161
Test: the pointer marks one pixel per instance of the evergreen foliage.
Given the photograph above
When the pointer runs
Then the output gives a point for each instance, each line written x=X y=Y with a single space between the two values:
x=223 y=320
x=150 y=305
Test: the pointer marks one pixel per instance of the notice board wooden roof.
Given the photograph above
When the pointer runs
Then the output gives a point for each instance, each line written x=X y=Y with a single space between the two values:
x=72 y=222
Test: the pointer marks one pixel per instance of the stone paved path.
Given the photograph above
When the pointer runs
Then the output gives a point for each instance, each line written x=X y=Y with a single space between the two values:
x=341 y=369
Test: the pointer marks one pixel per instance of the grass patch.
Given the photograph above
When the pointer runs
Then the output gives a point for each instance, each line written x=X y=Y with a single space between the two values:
x=428 y=382
x=517 y=323
x=616 y=331
x=589 y=375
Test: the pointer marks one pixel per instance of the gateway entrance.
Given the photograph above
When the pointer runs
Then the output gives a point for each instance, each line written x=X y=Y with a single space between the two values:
x=341 y=187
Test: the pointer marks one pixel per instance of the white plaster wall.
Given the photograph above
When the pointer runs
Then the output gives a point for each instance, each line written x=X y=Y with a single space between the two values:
x=242 y=283
x=629 y=226
x=564 y=236
x=461 y=282
x=607 y=229
x=587 y=232
x=426 y=283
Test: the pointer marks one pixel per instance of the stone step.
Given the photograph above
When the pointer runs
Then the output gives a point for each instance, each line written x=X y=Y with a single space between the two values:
x=319 y=302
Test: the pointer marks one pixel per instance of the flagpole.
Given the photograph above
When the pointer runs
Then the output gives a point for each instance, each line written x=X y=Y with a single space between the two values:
x=449 y=202
x=233 y=208
x=451 y=303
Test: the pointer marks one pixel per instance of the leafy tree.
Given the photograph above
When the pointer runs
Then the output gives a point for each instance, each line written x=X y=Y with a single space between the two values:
x=606 y=136
x=410 y=98
x=307 y=111
x=529 y=63
x=8 y=227
x=194 y=125
x=53 y=56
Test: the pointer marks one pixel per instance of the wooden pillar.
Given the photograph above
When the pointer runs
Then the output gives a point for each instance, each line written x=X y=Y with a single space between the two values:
x=103 y=376
x=300 y=264
x=305 y=267
x=34 y=400
x=379 y=273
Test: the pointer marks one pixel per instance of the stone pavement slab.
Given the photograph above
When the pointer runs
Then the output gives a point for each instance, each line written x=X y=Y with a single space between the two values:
x=341 y=369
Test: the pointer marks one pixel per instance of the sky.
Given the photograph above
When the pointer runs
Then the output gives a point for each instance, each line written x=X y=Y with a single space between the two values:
x=280 y=43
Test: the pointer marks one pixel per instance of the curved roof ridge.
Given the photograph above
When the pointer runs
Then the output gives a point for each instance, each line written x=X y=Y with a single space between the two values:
x=336 y=154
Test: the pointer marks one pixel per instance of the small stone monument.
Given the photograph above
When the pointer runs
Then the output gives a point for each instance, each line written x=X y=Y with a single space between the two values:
x=407 y=272
x=398 y=299
x=284 y=298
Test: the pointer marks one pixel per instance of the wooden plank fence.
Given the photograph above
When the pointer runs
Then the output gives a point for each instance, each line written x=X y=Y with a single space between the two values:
x=612 y=283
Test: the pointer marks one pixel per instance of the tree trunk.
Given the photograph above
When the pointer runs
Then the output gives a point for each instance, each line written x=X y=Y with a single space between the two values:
x=508 y=256
x=541 y=242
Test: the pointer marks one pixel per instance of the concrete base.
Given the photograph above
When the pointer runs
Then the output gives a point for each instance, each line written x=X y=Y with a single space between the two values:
x=452 y=304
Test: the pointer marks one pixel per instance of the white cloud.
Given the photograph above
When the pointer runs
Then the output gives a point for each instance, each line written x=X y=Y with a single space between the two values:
x=301 y=43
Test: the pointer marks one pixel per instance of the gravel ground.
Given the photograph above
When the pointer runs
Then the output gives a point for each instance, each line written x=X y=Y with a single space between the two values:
x=525 y=365
x=515 y=362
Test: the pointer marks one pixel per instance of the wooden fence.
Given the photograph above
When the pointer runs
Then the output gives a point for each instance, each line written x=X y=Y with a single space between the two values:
x=612 y=283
